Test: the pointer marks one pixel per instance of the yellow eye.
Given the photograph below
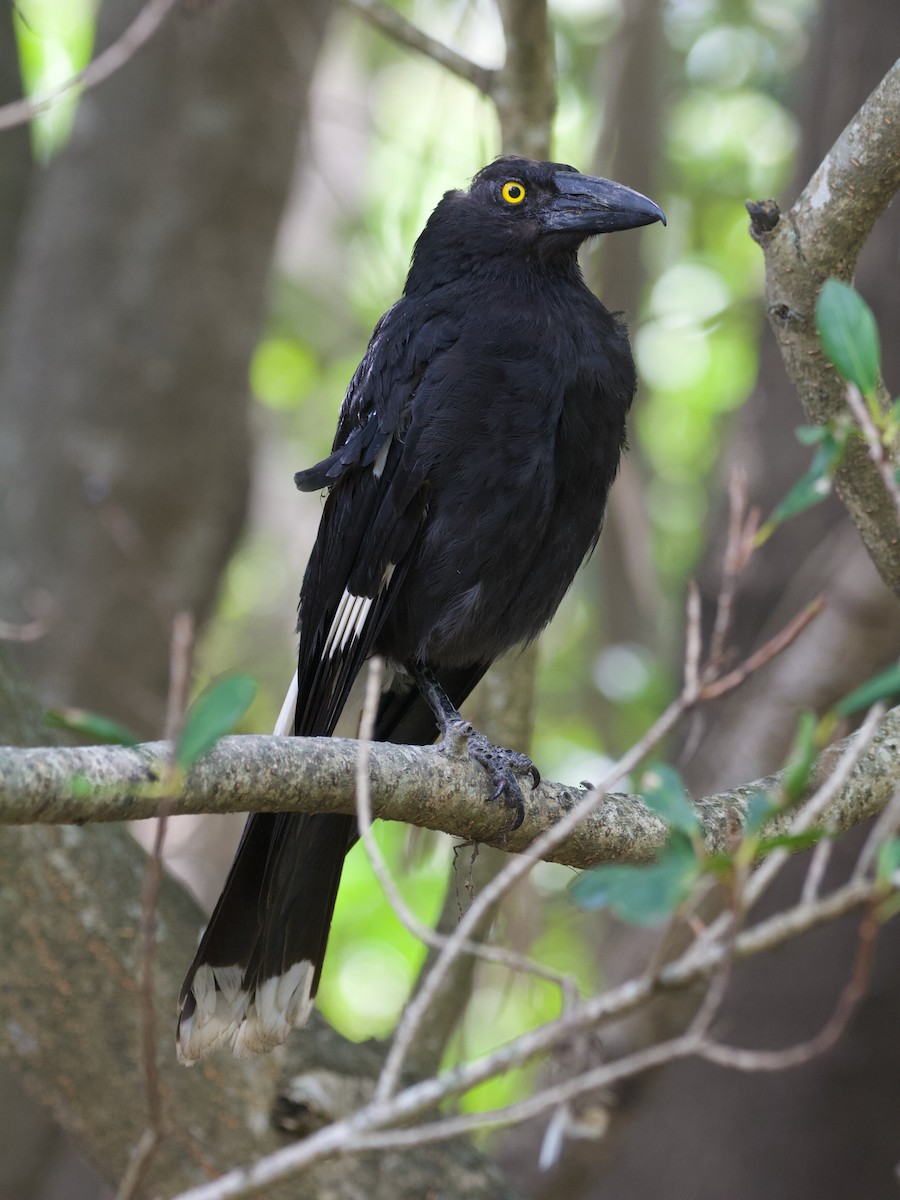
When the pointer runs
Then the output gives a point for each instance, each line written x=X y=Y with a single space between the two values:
x=513 y=192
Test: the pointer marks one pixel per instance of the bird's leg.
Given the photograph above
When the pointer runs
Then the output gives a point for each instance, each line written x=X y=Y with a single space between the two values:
x=503 y=766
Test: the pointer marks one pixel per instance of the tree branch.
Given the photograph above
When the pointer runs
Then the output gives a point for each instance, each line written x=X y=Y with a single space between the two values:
x=821 y=236
x=112 y=59
x=419 y=785
x=346 y=1136
x=387 y=20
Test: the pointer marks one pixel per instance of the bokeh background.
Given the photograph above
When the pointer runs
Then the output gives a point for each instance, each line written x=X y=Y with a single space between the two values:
x=193 y=259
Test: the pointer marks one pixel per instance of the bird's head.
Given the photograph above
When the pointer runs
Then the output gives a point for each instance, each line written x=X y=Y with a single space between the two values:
x=520 y=206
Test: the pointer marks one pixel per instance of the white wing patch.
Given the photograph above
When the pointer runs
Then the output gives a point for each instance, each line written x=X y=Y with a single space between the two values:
x=381 y=457
x=349 y=622
x=350 y=618
x=285 y=723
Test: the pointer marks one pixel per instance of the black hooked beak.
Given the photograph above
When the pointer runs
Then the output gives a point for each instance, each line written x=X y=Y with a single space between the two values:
x=586 y=205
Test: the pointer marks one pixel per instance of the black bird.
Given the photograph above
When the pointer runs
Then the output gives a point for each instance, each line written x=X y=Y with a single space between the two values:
x=474 y=452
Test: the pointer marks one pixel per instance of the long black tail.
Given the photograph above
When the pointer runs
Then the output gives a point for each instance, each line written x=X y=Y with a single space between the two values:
x=256 y=972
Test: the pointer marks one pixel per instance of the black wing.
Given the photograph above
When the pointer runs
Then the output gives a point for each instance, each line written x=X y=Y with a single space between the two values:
x=375 y=508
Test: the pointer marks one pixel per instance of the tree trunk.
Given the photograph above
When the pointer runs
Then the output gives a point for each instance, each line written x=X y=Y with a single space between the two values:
x=137 y=298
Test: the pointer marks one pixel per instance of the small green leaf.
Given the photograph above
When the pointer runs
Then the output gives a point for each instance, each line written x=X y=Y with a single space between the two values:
x=760 y=809
x=664 y=793
x=810 y=435
x=809 y=489
x=642 y=895
x=884 y=686
x=849 y=335
x=791 y=841
x=888 y=861
x=213 y=714
x=88 y=724
x=795 y=778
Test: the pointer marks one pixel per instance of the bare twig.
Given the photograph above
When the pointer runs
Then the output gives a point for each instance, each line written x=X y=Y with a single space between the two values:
x=885 y=827
x=775 y=646
x=106 y=64
x=818 y=865
x=817 y=805
x=347 y=1136
x=877 y=452
x=692 y=643
x=409 y=920
x=389 y=21
x=180 y=657
x=803 y=1052
x=741 y=528
x=410 y=1022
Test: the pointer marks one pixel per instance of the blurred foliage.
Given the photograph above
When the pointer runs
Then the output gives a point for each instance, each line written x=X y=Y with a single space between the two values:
x=391 y=132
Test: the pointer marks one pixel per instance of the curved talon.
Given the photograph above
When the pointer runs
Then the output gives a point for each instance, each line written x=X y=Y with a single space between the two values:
x=502 y=786
x=535 y=779
x=520 y=816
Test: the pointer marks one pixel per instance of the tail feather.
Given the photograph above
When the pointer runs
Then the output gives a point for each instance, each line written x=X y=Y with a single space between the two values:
x=256 y=971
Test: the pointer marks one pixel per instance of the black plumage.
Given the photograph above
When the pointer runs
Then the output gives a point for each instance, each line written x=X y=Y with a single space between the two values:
x=474 y=453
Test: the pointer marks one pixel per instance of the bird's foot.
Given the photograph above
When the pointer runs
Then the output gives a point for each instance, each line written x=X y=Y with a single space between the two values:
x=503 y=766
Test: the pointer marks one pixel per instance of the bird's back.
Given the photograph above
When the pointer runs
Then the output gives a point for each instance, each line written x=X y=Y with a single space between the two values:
x=523 y=422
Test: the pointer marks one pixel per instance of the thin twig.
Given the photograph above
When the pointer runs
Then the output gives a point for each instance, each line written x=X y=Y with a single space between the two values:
x=734 y=560
x=344 y=1136
x=885 y=827
x=877 y=452
x=693 y=646
x=180 y=657
x=409 y=920
x=106 y=64
x=409 y=1024
x=826 y=1038
x=408 y=1027
x=812 y=810
x=818 y=865
x=399 y=29
x=775 y=646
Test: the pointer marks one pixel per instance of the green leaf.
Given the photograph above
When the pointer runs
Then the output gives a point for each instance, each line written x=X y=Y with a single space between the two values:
x=760 y=809
x=849 y=335
x=642 y=895
x=795 y=778
x=884 y=686
x=88 y=724
x=791 y=841
x=888 y=861
x=809 y=489
x=664 y=793
x=213 y=714
x=810 y=435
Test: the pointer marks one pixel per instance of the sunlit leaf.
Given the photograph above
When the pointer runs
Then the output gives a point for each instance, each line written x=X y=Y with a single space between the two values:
x=884 y=686
x=212 y=715
x=849 y=334
x=888 y=861
x=791 y=841
x=91 y=725
x=642 y=895
x=664 y=793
